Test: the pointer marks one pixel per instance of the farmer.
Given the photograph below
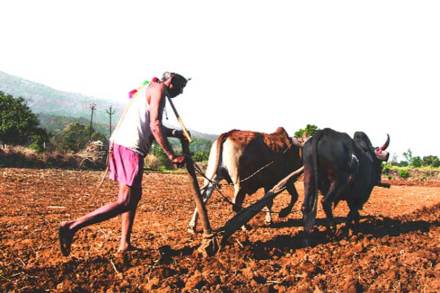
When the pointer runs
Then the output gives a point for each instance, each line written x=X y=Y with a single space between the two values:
x=129 y=144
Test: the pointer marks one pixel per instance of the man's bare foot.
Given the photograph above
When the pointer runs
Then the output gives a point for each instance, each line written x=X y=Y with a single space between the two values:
x=65 y=236
x=124 y=247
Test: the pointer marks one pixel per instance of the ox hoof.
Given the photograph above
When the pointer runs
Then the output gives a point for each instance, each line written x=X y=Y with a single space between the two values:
x=209 y=247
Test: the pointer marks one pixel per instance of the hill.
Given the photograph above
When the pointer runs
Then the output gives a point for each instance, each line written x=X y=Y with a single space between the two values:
x=55 y=123
x=56 y=108
x=43 y=99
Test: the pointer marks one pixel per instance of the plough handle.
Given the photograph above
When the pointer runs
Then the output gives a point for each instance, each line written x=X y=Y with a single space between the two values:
x=201 y=209
x=179 y=119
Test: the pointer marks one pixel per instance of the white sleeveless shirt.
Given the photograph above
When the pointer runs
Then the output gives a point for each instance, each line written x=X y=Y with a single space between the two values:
x=133 y=131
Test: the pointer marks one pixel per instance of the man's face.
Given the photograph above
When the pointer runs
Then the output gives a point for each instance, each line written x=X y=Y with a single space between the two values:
x=176 y=87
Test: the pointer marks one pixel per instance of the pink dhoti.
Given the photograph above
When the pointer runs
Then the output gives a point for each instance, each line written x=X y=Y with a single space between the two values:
x=125 y=166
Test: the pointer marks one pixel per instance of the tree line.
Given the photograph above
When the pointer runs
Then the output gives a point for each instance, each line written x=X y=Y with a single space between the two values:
x=20 y=126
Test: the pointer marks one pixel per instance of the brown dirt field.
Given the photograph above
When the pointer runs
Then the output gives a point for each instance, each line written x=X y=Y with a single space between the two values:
x=397 y=248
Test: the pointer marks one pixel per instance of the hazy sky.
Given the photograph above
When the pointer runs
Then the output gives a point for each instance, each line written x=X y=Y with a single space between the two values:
x=256 y=65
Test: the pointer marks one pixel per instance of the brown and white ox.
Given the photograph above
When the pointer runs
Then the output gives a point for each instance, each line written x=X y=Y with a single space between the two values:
x=251 y=160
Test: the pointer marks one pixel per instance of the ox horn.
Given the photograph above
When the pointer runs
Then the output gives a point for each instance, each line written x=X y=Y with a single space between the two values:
x=386 y=144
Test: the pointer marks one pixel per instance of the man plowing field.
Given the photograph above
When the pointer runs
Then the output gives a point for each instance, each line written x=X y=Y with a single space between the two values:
x=129 y=143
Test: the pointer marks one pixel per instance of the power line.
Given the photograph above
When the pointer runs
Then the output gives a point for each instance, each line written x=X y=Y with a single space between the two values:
x=92 y=109
x=110 y=113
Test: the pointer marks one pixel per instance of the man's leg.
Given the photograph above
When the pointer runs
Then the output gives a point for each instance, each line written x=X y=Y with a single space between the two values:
x=128 y=220
x=126 y=200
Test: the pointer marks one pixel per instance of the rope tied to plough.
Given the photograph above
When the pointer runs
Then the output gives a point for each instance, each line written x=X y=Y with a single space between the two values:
x=216 y=185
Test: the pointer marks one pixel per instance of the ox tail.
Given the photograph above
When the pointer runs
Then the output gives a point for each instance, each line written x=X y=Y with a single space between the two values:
x=211 y=176
x=215 y=156
x=310 y=215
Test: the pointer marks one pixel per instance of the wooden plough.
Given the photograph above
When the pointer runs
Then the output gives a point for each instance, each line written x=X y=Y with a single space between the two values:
x=248 y=213
x=209 y=245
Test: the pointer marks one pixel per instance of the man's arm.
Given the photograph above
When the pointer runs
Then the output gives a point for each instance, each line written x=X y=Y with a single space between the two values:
x=158 y=130
x=170 y=132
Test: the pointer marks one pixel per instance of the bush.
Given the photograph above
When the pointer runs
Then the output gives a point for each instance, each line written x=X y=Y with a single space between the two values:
x=200 y=156
x=386 y=169
x=75 y=137
x=404 y=173
x=164 y=162
x=152 y=162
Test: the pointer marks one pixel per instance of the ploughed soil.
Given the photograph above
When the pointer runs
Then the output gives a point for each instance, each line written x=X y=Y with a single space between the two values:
x=397 y=247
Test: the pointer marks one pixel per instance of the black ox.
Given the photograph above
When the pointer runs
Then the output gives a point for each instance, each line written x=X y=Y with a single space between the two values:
x=341 y=168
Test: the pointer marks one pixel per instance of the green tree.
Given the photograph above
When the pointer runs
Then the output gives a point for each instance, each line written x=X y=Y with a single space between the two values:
x=200 y=156
x=18 y=125
x=39 y=140
x=307 y=131
x=408 y=155
x=403 y=164
x=433 y=161
x=200 y=145
x=75 y=137
x=416 y=162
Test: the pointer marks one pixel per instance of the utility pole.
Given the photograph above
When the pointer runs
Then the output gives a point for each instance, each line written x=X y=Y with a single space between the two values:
x=92 y=108
x=110 y=113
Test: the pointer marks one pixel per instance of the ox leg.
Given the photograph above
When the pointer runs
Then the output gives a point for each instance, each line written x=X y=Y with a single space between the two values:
x=309 y=206
x=268 y=209
x=335 y=189
x=352 y=221
x=327 y=206
x=293 y=198
x=238 y=199
x=207 y=192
